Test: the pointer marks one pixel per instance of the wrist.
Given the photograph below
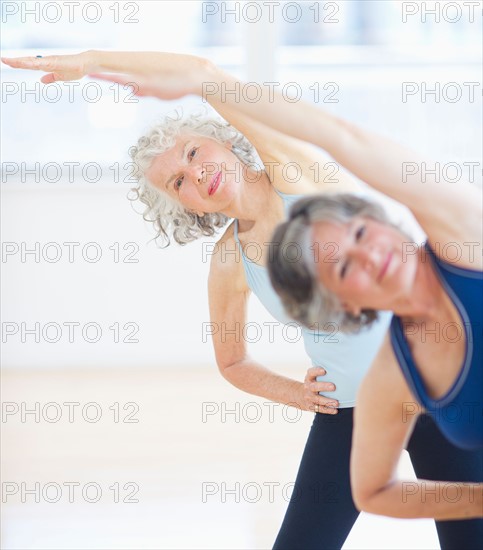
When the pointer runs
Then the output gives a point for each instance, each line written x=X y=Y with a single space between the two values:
x=91 y=61
x=296 y=395
x=204 y=72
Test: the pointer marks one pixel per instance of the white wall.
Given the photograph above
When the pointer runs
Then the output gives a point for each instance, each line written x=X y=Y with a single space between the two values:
x=164 y=293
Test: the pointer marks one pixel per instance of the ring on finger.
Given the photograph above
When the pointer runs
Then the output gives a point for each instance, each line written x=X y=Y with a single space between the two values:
x=316 y=408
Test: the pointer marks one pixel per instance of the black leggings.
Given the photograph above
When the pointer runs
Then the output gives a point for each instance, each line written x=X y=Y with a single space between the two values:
x=321 y=511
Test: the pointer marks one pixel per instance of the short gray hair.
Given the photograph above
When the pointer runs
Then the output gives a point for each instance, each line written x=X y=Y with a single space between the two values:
x=294 y=278
x=169 y=217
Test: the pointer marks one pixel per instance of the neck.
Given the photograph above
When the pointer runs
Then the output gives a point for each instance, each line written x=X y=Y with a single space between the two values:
x=254 y=201
x=426 y=298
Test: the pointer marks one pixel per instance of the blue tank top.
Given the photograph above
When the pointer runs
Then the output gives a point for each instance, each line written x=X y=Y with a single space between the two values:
x=459 y=413
x=345 y=357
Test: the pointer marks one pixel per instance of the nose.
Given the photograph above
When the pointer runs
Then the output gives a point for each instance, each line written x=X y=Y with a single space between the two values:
x=197 y=174
x=366 y=255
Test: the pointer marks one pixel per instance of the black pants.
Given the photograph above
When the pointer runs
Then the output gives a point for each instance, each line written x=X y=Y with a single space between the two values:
x=321 y=511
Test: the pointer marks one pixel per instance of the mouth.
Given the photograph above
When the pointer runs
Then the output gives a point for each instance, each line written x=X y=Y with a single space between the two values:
x=384 y=267
x=215 y=183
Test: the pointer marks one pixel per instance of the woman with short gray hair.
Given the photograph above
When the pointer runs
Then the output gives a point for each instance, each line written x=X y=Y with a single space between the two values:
x=354 y=263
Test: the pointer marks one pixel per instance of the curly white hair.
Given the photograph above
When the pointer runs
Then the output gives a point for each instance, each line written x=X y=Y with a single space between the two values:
x=168 y=216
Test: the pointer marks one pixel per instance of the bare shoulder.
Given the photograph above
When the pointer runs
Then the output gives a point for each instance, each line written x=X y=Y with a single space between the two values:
x=455 y=227
x=226 y=267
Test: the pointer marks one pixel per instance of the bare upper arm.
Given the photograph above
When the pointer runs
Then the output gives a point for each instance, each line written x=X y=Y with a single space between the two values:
x=381 y=427
x=228 y=295
x=452 y=217
x=454 y=225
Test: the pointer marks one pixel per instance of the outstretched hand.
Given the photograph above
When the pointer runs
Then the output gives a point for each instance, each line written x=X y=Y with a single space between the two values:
x=157 y=74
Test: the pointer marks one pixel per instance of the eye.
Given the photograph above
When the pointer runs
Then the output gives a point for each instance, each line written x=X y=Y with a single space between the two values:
x=344 y=269
x=360 y=232
x=177 y=183
x=192 y=153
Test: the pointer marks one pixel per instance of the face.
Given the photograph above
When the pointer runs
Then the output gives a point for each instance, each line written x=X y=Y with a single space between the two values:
x=362 y=263
x=198 y=172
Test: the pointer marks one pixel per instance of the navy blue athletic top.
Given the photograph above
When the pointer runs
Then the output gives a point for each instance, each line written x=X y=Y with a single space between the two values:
x=459 y=413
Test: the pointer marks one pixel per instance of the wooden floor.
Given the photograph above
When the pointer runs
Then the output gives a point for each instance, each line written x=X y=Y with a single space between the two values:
x=188 y=474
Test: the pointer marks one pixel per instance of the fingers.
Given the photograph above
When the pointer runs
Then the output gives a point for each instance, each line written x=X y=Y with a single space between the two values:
x=319 y=403
x=32 y=63
x=311 y=383
x=48 y=78
x=325 y=405
x=325 y=409
x=313 y=372
x=59 y=67
x=317 y=387
x=18 y=62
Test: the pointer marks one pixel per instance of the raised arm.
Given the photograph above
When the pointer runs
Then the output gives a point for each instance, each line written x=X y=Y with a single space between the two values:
x=381 y=430
x=447 y=213
x=454 y=215
x=171 y=76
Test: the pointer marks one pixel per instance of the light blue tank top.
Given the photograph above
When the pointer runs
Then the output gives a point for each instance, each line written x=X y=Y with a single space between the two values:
x=345 y=357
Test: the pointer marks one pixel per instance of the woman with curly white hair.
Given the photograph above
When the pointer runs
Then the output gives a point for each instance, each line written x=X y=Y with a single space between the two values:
x=194 y=176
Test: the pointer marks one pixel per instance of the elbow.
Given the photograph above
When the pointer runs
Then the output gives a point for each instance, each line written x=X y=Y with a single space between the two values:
x=223 y=369
x=226 y=369
x=223 y=366
x=366 y=500
x=360 y=499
